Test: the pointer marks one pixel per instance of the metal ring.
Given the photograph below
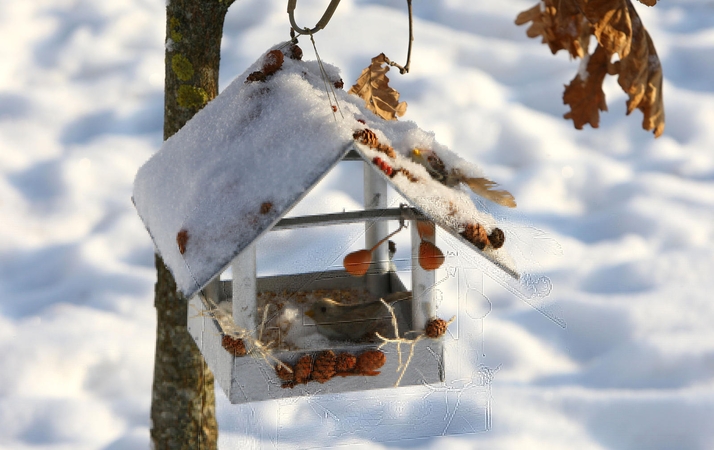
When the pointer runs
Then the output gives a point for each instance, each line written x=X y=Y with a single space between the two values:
x=320 y=25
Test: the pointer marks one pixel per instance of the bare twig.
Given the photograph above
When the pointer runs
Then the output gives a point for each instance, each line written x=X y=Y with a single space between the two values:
x=405 y=68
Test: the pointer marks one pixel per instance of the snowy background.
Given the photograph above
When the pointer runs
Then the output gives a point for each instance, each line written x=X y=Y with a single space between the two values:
x=621 y=223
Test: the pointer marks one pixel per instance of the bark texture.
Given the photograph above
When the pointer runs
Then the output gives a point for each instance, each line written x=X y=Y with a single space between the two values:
x=183 y=402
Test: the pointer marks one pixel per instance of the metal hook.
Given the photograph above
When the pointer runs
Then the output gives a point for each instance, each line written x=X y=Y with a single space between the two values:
x=320 y=25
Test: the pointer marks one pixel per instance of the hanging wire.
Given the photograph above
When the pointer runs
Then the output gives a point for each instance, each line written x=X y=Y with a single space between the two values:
x=329 y=88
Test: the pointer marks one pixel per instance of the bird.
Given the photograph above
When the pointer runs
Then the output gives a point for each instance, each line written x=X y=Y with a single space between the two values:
x=351 y=322
x=453 y=177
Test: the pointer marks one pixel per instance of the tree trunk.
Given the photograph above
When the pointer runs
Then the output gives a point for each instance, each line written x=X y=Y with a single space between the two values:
x=183 y=402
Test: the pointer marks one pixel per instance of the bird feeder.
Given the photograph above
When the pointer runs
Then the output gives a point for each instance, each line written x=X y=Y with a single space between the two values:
x=233 y=173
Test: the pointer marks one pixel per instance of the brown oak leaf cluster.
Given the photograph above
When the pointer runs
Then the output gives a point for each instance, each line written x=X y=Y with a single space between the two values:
x=569 y=24
x=373 y=86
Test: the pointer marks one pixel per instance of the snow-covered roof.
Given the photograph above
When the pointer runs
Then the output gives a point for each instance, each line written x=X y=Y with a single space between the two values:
x=240 y=164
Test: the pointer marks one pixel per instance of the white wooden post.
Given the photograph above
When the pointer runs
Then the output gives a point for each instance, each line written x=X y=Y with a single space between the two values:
x=244 y=290
x=423 y=281
x=375 y=197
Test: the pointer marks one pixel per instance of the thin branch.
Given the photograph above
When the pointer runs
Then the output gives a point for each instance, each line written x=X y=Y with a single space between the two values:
x=405 y=68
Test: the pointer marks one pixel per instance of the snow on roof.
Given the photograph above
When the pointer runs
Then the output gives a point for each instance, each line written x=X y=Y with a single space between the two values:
x=243 y=161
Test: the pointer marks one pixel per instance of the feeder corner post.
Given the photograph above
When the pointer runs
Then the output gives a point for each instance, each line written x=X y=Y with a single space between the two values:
x=375 y=197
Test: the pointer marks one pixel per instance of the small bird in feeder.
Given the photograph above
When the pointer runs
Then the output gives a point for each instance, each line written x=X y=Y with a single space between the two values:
x=351 y=322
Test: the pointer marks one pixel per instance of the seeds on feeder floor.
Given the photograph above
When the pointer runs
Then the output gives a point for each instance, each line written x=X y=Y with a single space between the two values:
x=435 y=328
x=265 y=207
x=182 y=240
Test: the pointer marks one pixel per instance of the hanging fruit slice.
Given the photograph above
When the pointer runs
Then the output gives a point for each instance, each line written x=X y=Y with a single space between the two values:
x=357 y=263
x=426 y=229
x=430 y=256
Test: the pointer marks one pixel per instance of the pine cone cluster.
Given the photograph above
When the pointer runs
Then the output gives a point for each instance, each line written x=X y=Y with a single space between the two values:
x=339 y=84
x=327 y=364
x=435 y=328
x=234 y=346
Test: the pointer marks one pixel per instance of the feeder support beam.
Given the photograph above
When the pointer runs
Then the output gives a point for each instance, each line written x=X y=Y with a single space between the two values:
x=375 y=197
x=244 y=290
x=423 y=281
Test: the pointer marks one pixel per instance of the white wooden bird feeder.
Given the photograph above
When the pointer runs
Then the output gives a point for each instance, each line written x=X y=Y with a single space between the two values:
x=234 y=171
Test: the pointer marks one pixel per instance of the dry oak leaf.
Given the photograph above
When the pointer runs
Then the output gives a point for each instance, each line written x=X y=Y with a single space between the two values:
x=585 y=96
x=373 y=86
x=640 y=76
x=611 y=22
x=560 y=24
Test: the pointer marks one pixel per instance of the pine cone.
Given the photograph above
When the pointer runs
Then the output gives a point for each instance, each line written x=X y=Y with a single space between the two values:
x=345 y=362
x=283 y=373
x=233 y=345
x=182 y=240
x=295 y=52
x=255 y=76
x=407 y=174
x=475 y=234
x=265 y=207
x=497 y=238
x=339 y=84
x=435 y=328
x=303 y=369
x=324 y=367
x=387 y=150
x=273 y=62
x=369 y=361
x=366 y=137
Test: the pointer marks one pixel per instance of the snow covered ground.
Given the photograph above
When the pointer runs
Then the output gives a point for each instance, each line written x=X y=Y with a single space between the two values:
x=622 y=224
